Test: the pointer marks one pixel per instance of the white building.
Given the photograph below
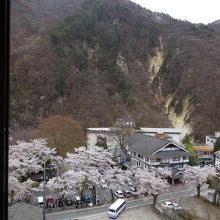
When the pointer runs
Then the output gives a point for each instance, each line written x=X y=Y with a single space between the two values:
x=148 y=151
x=171 y=133
x=210 y=140
x=107 y=137
x=217 y=159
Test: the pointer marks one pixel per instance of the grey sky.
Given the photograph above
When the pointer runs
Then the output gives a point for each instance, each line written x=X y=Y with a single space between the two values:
x=195 y=11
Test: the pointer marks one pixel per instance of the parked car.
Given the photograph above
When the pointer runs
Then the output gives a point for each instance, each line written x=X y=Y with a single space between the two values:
x=50 y=202
x=77 y=200
x=40 y=201
x=68 y=201
x=119 y=194
x=87 y=199
x=126 y=193
x=169 y=205
x=132 y=191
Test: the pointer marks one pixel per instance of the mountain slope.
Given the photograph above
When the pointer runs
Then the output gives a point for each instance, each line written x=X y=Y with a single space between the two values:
x=114 y=58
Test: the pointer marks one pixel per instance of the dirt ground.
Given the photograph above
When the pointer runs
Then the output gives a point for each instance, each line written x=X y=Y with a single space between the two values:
x=141 y=213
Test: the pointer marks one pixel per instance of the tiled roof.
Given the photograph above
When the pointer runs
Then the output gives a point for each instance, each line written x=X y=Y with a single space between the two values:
x=204 y=148
x=146 y=144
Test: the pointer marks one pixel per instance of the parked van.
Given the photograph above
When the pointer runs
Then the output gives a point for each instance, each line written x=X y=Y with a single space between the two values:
x=40 y=201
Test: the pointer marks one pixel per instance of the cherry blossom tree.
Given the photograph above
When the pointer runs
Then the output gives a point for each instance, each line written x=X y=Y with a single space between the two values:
x=115 y=179
x=147 y=182
x=19 y=190
x=214 y=183
x=69 y=182
x=198 y=175
x=26 y=158
x=90 y=166
x=94 y=161
x=83 y=158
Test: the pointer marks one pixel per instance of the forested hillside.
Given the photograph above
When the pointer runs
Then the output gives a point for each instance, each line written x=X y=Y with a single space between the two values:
x=98 y=60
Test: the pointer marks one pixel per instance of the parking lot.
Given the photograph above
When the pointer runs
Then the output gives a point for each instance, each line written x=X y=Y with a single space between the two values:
x=141 y=213
x=104 y=195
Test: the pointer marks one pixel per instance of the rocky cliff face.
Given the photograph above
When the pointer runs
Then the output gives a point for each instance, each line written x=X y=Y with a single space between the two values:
x=113 y=58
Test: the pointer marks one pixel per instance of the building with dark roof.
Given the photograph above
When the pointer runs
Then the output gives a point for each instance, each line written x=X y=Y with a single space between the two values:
x=217 y=159
x=149 y=151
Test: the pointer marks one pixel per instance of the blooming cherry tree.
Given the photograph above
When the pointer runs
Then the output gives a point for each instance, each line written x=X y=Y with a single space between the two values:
x=198 y=175
x=94 y=161
x=26 y=158
x=94 y=157
x=147 y=182
x=115 y=179
x=18 y=190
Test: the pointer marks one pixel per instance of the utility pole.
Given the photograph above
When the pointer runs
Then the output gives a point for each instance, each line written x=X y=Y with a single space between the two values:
x=57 y=181
x=44 y=202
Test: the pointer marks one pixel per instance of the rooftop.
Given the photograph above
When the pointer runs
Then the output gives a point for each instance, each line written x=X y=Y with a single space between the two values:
x=24 y=211
x=147 y=145
x=108 y=129
x=161 y=130
x=203 y=148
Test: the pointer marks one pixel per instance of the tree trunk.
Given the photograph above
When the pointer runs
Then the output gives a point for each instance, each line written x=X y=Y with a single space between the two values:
x=81 y=195
x=154 y=199
x=94 y=195
x=112 y=195
x=198 y=190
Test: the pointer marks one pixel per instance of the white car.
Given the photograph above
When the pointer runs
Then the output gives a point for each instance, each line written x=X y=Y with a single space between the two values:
x=119 y=194
x=77 y=200
x=103 y=184
x=132 y=191
x=40 y=201
x=169 y=205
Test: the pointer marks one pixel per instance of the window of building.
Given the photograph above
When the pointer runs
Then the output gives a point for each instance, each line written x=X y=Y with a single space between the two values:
x=140 y=156
x=184 y=158
x=158 y=159
x=176 y=159
x=178 y=165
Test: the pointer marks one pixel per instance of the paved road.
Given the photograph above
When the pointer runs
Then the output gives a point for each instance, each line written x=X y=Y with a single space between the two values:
x=75 y=214
x=141 y=213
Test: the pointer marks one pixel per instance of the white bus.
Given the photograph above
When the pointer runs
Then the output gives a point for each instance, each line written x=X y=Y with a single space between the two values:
x=116 y=208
